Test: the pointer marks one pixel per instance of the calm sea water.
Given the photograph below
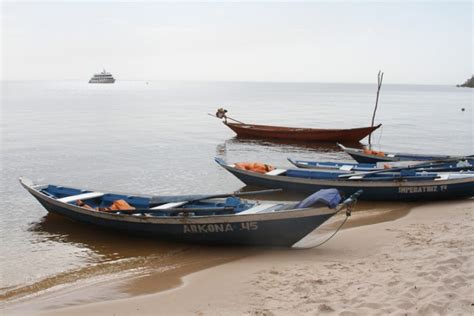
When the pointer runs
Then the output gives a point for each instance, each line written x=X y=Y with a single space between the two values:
x=157 y=138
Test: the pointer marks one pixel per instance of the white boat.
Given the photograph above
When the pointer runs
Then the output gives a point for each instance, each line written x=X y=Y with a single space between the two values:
x=103 y=77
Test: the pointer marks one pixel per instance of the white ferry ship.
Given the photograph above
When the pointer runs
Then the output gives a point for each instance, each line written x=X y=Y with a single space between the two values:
x=103 y=77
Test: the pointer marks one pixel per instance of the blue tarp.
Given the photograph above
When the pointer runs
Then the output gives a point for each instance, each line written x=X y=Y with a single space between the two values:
x=329 y=197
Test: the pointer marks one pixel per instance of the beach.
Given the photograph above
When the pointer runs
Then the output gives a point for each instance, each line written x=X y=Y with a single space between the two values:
x=418 y=264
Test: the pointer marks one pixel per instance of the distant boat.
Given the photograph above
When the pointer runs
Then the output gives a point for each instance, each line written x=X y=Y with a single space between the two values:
x=244 y=130
x=103 y=77
x=301 y=134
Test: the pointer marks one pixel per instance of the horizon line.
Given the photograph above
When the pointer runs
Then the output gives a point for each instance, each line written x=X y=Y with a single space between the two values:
x=239 y=81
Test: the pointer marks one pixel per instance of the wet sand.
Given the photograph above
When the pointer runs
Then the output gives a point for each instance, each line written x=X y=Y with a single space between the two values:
x=420 y=263
x=134 y=276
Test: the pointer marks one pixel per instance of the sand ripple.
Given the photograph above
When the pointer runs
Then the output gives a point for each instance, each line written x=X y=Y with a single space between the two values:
x=426 y=271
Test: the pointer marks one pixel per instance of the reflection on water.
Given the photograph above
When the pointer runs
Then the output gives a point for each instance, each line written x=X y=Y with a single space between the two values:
x=292 y=145
x=106 y=243
x=106 y=252
x=122 y=255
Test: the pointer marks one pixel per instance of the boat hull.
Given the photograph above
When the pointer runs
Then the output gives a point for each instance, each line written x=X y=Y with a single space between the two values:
x=102 y=81
x=373 y=190
x=277 y=229
x=301 y=134
x=363 y=158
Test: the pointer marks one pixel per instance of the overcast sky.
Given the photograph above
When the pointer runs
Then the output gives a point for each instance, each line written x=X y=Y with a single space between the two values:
x=422 y=42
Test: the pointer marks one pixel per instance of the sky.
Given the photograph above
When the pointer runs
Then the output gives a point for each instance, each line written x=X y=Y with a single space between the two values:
x=428 y=42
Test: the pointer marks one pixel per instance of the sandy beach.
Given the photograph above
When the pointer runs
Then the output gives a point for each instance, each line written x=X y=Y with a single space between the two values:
x=420 y=264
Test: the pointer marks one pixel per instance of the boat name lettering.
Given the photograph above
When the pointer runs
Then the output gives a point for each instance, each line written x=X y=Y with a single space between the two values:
x=422 y=189
x=208 y=228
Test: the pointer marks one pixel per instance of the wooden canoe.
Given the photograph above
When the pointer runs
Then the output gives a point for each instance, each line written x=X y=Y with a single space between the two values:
x=362 y=156
x=194 y=219
x=389 y=186
x=301 y=134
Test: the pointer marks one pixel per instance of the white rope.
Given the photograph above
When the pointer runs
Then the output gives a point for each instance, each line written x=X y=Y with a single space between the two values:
x=325 y=241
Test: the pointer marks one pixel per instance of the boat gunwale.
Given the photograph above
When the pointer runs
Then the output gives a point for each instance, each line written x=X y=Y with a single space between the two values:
x=395 y=156
x=269 y=128
x=179 y=220
x=349 y=183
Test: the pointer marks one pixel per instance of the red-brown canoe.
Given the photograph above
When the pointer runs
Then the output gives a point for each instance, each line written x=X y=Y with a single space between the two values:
x=301 y=134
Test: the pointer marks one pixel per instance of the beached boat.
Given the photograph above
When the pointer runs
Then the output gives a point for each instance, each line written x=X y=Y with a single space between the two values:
x=211 y=219
x=455 y=165
x=405 y=185
x=372 y=156
x=300 y=134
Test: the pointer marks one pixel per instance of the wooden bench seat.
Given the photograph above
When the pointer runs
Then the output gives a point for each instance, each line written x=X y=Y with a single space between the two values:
x=83 y=196
x=257 y=209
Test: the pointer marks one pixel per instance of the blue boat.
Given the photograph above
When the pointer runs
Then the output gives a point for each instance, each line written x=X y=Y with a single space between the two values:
x=210 y=219
x=372 y=156
x=329 y=166
x=405 y=185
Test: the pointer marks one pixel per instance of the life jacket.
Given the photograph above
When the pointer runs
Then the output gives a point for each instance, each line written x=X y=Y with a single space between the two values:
x=374 y=152
x=118 y=205
x=254 y=166
x=82 y=204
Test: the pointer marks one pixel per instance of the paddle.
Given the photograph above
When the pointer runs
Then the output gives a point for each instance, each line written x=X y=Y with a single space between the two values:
x=194 y=198
x=432 y=163
x=176 y=210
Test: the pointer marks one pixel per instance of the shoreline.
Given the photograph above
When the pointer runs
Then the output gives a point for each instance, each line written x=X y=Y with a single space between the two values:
x=258 y=278
x=141 y=273
x=420 y=263
x=124 y=284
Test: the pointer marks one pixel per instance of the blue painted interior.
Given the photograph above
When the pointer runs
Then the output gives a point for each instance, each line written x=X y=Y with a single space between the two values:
x=408 y=175
x=140 y=202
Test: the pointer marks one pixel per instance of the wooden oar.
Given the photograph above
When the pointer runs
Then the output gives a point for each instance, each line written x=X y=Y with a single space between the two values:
x=199 y=198
x=215 y=196
x=415 y=166
x=176 y=210
x=194 y=198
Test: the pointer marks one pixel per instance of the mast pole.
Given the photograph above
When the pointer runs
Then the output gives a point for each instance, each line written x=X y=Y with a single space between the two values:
x=379 y=85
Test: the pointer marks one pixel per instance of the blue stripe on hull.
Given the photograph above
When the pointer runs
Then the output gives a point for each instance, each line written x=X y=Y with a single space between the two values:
x=283 y=232
x=452 y=191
